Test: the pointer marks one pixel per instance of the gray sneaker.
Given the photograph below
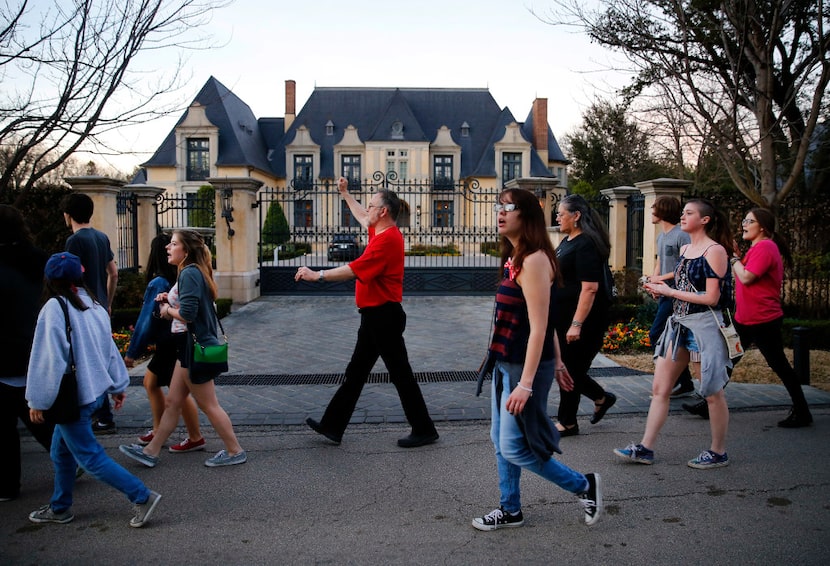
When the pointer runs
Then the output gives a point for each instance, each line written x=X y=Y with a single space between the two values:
x=46 y=515
x=144 y=510
x=222 y=458
x=136 y=452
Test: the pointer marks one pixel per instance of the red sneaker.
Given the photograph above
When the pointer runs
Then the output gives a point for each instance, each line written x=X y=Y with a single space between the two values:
x=187 y=445
x=147 y=438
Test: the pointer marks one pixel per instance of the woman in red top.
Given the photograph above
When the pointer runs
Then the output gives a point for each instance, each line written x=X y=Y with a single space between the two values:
x=758 y=313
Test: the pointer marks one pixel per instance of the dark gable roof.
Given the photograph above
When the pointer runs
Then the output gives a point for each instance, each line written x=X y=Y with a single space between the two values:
x=421 y=111
x=240 y=140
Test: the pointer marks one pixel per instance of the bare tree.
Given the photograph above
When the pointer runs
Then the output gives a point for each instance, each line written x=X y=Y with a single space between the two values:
x=750 y=75
x=70 y=74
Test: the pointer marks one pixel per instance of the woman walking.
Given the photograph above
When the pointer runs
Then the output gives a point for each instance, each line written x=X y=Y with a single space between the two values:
x=99 y=371
x=151 y=328
x=527 y=358
x=583 y=304
x=190 y=305
x=703 y=288
x=758 y=313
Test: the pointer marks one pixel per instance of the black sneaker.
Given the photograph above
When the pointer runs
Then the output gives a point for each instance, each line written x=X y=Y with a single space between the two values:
x=318 y=428
x=103 y=428
x=498 y=519
x=415 y=440
x=592 y=499
x=682 y=390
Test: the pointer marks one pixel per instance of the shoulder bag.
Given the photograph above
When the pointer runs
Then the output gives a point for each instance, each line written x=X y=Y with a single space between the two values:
x=210 y=360
x=734 y=349
x=65 y=409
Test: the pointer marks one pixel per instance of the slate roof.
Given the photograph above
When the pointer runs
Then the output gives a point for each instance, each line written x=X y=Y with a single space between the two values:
x=240 y=140
x=244 y=140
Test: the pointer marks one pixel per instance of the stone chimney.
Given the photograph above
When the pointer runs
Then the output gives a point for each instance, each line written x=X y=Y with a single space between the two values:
x=290 y=103
x=540 y=128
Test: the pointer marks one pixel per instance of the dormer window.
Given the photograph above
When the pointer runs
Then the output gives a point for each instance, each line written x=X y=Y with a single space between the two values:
x=329 y=128
x=465 y=130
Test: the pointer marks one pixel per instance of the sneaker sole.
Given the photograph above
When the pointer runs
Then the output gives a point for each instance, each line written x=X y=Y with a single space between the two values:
x=194 y=449
x=483 y=527
x=628 y=458
x=148 y=514
x=697 y=466
x=58 y=521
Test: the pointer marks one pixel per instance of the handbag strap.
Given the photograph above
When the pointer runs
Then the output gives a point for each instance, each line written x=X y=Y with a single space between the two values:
x=711 y=310
x=68 y=331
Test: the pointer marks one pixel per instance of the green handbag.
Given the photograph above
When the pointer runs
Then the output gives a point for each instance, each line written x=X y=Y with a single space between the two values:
x=210 y=360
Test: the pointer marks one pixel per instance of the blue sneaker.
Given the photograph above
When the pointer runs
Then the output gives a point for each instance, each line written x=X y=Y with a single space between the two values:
x=222 y=458
x=709 y=459
x=636 y=453
x=136 y=452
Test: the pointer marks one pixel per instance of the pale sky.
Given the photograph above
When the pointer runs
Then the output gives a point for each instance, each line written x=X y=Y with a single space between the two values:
x=495 y=44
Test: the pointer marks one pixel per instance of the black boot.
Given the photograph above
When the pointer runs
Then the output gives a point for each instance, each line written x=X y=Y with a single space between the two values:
x=701 y=409
x=797 y=419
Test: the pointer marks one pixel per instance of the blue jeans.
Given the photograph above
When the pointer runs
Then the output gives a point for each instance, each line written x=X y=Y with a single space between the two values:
x=512 y=452
x=74 y=444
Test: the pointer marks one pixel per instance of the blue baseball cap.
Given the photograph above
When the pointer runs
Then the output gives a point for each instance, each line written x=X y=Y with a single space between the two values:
x=64 y=265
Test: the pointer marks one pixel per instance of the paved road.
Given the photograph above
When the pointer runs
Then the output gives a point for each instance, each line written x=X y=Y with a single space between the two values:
x=300 y=500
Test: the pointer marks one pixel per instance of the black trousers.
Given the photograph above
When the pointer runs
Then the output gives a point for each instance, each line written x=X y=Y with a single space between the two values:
x=380 y=335
x=767 y=336
x=13 y=406
x=577 y=357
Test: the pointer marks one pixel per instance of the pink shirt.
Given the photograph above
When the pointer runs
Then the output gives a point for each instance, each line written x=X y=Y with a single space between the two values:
x=760 y=301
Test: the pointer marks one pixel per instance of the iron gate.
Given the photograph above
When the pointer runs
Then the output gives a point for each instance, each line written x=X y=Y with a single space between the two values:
x=127 y=220
x=449 y=230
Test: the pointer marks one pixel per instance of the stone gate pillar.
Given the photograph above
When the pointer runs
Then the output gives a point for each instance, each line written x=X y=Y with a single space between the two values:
x=104 y=194
x=651 y=190
x=618 y=224
x=147 y=218
x=237 y=236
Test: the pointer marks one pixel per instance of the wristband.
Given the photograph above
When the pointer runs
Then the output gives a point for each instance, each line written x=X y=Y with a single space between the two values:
x=734 y=260
x=576 y=323
x=320 y=279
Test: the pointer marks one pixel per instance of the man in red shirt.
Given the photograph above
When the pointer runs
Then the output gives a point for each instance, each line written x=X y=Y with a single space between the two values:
x=378 y=275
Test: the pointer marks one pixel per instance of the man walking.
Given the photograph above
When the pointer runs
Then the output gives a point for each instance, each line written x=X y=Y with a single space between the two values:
x=100 y=273
x=378 y=293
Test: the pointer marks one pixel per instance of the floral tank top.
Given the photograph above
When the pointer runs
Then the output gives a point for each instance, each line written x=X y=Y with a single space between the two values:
x=690 y=275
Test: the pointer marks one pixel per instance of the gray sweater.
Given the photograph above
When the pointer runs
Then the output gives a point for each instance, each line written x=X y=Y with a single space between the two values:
x=99 y=367
x=196 y=306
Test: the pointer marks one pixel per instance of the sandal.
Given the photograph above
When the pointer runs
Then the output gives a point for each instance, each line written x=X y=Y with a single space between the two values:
x=601 y=408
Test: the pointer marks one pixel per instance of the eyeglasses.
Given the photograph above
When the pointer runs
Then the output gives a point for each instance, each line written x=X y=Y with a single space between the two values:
x=746 y=221
x=507 y=207
x=368 y=206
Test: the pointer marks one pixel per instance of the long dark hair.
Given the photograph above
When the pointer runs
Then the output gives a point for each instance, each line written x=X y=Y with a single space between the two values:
x=766 y=220
x=718 y=227
x=66 y=289
x=534 y=234
x=590 y=222
x=198 y=254
x=157 y=264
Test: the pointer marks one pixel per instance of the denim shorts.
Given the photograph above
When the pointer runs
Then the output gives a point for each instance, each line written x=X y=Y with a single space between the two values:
x=687 y=340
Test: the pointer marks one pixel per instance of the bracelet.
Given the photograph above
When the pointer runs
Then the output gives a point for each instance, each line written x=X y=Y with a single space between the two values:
x=320 y=279
x=576 y=323
x=523 y=388
x=563 y=368
x=734 y=260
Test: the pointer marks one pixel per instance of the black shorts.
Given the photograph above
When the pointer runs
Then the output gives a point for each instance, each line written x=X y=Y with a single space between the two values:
x=184 y=354
x=163 y=362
